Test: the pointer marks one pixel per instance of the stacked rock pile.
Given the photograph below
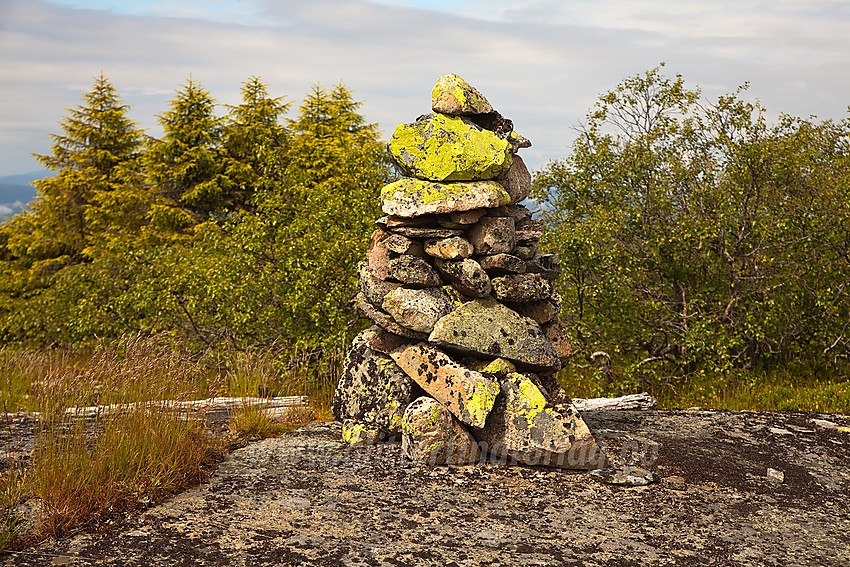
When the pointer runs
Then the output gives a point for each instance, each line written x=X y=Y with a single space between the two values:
x=461 y=362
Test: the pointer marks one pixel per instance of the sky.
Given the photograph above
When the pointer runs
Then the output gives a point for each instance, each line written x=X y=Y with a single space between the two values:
x=542 y=63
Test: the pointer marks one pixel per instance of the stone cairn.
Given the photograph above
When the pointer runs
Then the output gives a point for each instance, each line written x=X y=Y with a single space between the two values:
x=462 y=359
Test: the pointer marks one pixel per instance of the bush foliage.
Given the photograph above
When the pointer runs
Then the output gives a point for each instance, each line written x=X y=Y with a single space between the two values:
x=697 y=238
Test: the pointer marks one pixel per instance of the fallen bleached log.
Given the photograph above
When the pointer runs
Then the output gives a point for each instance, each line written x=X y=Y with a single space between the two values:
x=631 y=402
x=210 y=409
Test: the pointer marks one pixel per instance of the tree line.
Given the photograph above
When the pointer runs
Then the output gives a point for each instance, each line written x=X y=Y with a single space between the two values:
x=696 y=237
x=235 y=231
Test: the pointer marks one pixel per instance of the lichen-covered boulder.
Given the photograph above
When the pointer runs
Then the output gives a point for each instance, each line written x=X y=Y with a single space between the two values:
x=486 y=327
x=453 y=248
x=453 y=95
x=358 y=433
x=440 y=148
x=524 y=426
x=431 y=434
x=519 y=288
x=372 y=390
x=466 y=275
x=418 y=309
x=468 y=394
x=410 y=197
x=493 y=235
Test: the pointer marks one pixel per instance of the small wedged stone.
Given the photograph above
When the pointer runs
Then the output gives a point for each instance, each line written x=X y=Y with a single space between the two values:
x=548 y=265
x=388 y=222
x=439 y=147
x=466 y=275
x=378 y=254
x=501 y=264
x=432 y=435
x=520 y=214
x=557 y=334
x=426 y=231
x=452 y=248
x=466 y=217
x=493 y=235
x=468 y=394
x=372 y=391
x=486 y=327
x=417 y=309
x=528 y=237
x=382 y=341
x=412 y=270
x=541 y=311
x=516 y=180
x=375 y=289
x=452 y=95
x=525 y=427
x=403 y=245
x=384 y=320
x=525 y=252
x=410 y=197
x=501 y=367
x=519 y=288
x=517 y=142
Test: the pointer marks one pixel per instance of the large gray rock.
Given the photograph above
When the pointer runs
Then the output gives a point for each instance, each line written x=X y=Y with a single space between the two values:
x=468 y=394
x=418 y=309
x=516 y=180
x=524 y=426
x=372 y=390
x=453 y=95
x=466 y=275
x=486 y=327
x=441 y=148
x=431 y=434
x=410 y=197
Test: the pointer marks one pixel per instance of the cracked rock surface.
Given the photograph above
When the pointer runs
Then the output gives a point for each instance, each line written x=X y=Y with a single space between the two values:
x=307 y=499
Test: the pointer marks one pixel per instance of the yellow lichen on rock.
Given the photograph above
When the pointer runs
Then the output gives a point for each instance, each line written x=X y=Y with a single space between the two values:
x=438 y=147
x=453 y=95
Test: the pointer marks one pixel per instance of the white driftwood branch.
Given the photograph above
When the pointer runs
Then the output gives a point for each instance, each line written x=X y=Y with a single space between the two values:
x=631 y=402
x=210 y=409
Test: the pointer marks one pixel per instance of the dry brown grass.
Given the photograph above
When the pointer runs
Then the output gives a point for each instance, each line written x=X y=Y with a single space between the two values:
x=89 y=470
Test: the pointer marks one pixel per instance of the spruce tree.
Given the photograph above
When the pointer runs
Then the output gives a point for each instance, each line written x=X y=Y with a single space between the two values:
x=94 y=195
x=256 y=142
x=186 y=168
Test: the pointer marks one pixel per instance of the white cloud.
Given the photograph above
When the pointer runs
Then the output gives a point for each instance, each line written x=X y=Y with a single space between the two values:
x=542 y=63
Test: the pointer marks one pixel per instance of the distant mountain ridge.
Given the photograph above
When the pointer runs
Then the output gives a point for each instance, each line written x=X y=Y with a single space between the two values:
x=16 y=191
